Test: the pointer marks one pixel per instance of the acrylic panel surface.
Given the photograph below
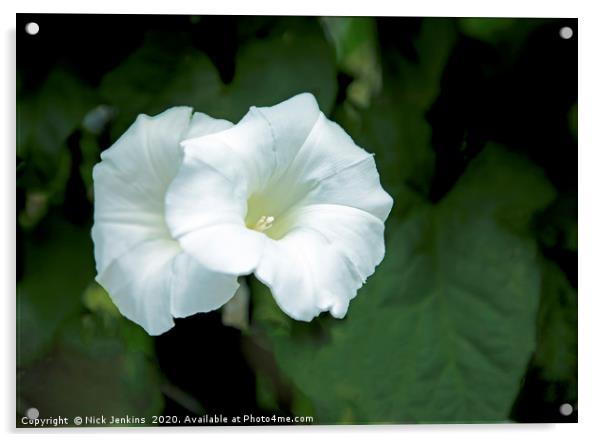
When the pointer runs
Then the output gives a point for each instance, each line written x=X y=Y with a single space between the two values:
x=470 y=318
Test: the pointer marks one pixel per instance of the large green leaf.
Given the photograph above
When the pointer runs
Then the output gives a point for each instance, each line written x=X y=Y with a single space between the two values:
x=58 y=265
x=168 y=71
x=444 y=330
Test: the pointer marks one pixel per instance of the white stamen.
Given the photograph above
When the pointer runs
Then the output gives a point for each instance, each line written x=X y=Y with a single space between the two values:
x=264 y=223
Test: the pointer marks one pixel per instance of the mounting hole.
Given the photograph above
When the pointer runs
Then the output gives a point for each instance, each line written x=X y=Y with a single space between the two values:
x=32 y=413
x=566 y=32
x=32 y=28
x=566 y=409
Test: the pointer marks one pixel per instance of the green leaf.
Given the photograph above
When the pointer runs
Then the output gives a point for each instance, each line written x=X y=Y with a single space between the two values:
x=486 y=29
x=58 y=265
x=46 y=117
x=348 y=33
x=556 y=352
x=394 y=127
x=557 y=227
x=356 y=42
x=97 y=300
x=445 y=328
x=168 y=71
x=507 y=35
x=276 y=68
x=93 y=370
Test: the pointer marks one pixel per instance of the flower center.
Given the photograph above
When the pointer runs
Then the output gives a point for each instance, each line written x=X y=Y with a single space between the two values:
x=263 y=223
x=270 y=210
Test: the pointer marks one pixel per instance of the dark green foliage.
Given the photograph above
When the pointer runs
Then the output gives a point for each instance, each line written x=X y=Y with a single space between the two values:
x=168 y=71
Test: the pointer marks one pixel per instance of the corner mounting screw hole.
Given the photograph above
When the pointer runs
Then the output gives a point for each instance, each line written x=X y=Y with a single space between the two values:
x=566 y=409
x=32 y=28
x=32 y=413
x=566 y=32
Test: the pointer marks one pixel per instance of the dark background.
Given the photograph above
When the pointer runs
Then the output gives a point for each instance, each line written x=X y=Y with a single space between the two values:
x=427 y=96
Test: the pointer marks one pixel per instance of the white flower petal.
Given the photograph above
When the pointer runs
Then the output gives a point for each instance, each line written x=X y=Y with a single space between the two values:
x=290 y=122
x=139 y=284
x=323 y=260
x=208 y=190
x=357 y=234
x=202 y=124
x=130 y=183
x=205 y=210
x=142 y=267
x=155 y=280
x=263 y=143
x=336 y=171
x=225 y=248
x=357 y=186
x=196 y=289
x=307 y=275
x=248 y=145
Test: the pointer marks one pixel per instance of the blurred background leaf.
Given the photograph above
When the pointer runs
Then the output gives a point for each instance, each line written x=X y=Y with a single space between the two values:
x=45 y=295
x=487 y=29
x=94 y=369
x=395 y=126
x=169 y=71
x=46 y=117
x=165 y=71
x=557 y=323
x=356 y=42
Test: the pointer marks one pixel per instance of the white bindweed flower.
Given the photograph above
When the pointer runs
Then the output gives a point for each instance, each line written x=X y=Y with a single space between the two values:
x=284 y=194
x=287 y=195
x=142 y=267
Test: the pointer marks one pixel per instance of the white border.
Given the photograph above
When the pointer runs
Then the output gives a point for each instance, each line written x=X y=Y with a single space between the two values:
x=590 y=148
x=522 y=8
